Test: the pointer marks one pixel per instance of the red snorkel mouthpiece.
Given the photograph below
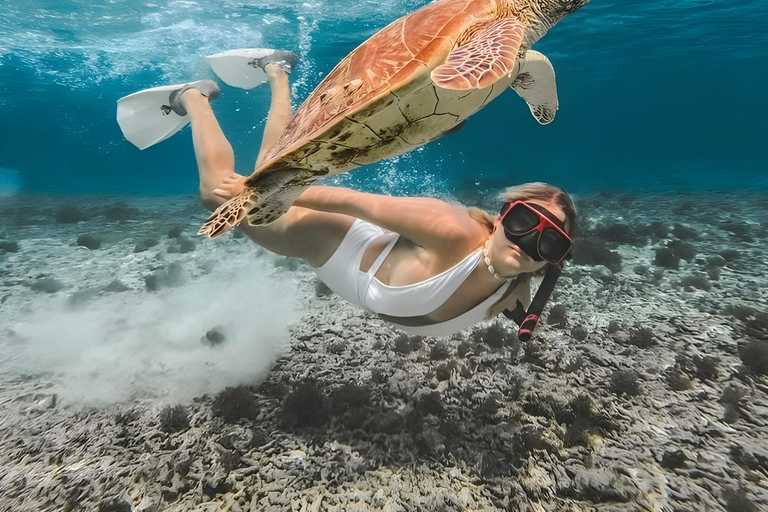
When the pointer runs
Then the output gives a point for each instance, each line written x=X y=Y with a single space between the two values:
x=526 y=328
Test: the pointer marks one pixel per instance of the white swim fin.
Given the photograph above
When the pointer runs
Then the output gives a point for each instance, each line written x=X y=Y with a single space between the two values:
x=146 y=118
x=152 y=115
x=244 y=68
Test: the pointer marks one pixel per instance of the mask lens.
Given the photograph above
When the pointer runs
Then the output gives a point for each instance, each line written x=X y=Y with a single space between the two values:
x=527 y=243
x=552 y=245
x=519 y=220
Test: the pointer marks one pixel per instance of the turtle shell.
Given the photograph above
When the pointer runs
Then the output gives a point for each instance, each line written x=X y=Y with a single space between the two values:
x=354 y=117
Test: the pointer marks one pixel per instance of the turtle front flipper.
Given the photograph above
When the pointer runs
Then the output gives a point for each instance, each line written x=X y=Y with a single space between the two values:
x=536 y=85
x=229 y=214
x=483 y=54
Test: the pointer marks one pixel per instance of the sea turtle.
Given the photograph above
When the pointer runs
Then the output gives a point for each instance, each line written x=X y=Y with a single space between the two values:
x=414 y=81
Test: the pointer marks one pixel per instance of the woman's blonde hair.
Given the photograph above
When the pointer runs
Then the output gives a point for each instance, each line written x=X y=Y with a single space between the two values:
x=537 y=191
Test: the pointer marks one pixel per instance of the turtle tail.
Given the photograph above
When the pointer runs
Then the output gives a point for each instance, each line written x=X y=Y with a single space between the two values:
x=229 y=214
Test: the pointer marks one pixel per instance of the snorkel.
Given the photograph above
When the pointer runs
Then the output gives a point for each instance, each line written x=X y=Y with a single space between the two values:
x=527 y=320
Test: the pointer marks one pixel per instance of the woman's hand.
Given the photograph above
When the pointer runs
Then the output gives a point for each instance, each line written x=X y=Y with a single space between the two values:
x=230 y=186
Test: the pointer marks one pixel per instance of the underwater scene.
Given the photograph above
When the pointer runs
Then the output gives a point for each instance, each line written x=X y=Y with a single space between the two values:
x=147 y=367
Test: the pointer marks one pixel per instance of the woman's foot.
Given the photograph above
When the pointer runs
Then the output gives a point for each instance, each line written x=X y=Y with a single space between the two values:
x=281 y=58
x=207 y=88
x=275 y=72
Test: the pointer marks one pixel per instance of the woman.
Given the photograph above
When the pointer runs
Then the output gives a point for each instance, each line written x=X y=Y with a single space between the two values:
x=422 y=264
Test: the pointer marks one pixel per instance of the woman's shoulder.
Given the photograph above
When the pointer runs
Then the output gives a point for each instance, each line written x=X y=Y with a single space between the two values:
x=463 y=230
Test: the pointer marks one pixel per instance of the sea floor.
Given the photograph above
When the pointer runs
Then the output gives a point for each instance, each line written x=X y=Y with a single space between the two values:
x=145 y=368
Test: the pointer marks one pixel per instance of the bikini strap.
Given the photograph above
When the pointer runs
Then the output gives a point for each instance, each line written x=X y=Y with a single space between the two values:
x=383 y=255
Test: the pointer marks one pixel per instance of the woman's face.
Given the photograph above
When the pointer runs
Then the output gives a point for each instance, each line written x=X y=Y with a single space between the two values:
x=507 y=258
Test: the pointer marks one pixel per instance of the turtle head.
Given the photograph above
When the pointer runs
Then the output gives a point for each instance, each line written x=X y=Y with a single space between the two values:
x=566 y=7
x=549 y=12
x=556 y=10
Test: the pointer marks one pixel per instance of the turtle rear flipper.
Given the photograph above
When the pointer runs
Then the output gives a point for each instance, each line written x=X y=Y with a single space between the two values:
x=274 y=206
x=229 y=214
x=267 y=196
x=281 y=188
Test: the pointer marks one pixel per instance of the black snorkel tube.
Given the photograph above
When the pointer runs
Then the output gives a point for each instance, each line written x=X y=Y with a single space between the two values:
x=527 y=320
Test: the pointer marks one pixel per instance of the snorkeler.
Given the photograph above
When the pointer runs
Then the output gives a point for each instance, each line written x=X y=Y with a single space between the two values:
x=413 y=261
x=424 y=265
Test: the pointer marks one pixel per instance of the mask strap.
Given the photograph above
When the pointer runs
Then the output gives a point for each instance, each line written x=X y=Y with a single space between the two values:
x=527 y=320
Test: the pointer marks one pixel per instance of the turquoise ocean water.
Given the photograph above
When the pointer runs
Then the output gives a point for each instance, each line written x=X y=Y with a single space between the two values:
x=654 y=95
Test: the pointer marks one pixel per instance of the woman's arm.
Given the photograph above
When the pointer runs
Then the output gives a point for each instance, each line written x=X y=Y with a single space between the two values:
x=428 y=222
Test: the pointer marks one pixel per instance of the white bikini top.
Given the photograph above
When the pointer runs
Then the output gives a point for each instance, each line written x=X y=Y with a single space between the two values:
x=415 y=299
x=424 y=297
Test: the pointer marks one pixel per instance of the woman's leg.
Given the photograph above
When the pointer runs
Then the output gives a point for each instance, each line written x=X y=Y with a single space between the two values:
x=302 y=233
x=214 y=155
x=279 y=110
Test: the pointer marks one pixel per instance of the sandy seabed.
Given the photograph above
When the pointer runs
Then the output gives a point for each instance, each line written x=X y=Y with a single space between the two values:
x=146 y=369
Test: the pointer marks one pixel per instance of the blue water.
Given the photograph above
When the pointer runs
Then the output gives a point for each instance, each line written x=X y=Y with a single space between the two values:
x=654 y=96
